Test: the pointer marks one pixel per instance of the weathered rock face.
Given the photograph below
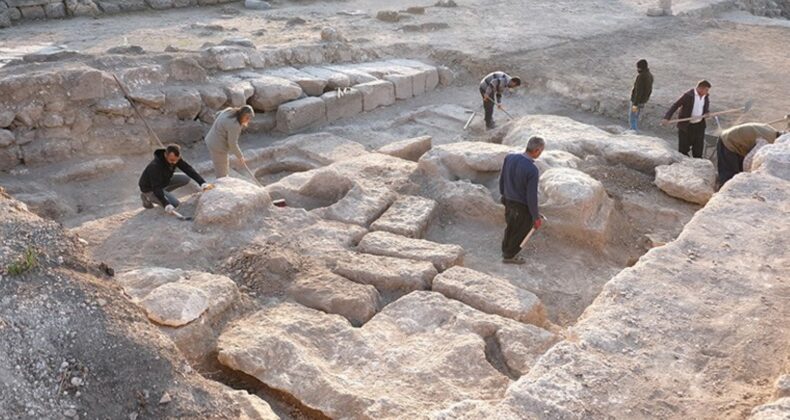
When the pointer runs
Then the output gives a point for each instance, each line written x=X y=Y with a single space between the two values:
x=575 y=204
x=384 y=243
x=464 y=160
x=638 y=152
x=386 y=273
x=188 y=305
x=704 y=303
x=409 y=149
x=490 y=294
x=556 y=159
x=408 y=216
x=334 y=294
x=693 y=180
x=774 y=159
x=336 y=369
x=231 y=203
x=270 y=92
x=361 y=205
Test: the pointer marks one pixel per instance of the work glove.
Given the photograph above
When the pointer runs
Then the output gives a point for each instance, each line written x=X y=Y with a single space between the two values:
x=538 y=222
x=169 y=209
x=206 y=187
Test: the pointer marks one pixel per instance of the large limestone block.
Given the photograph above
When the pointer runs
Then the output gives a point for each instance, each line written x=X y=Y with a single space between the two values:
x=466 y=200
x=297 y=115
x=333 y=79
x=774 y=159
x=556 y=159
x=186 y=69
x=376 y=94
x=271 y=92
x=404 y=85
x=490 y=294
x=355 y=76
x=421 y=353
x=361 y=205
x=409 y=149
x=189 y=305
x=334 y=294
x=521 y=348
x=174 y=305
x=386 y=273
x=185 y=103
x=152 y=98
x=642 y=153
x=442 y=256
x=213 y=96
x=464 y=160
x=775 y=410
x=693 y=180
x=428 y=74
x=232 y=203
x=238 y=91
x=310 y=84
x=576 y=205
x=343 y=105
x=408 y=216
x=224 y=58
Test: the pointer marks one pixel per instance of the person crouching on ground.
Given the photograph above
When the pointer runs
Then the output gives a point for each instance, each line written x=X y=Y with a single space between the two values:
x=158 y=179
x=223 y=137
x=518 y=184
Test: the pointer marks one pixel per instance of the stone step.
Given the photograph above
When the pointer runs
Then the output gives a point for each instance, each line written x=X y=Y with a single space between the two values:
x=490 y=294
x=389 y=244
x=334 y=294
x=386 y=273
x=408 y=216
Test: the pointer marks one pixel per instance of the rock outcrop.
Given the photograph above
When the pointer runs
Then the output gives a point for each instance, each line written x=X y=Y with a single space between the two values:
x=692 y=180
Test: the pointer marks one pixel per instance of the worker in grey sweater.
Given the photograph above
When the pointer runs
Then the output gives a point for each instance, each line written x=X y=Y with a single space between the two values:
x=223 y=138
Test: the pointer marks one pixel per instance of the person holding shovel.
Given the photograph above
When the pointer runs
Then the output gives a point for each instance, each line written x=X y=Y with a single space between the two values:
x=736 y=142
x=223 y=137
x=694 y=104
x=159 y=178
x=518 y=185
x=491 y=89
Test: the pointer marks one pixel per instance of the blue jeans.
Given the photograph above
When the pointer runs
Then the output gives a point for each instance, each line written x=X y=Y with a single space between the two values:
x=633 y=117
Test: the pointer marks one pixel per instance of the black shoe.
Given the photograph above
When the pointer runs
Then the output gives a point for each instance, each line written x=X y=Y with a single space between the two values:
x=146 y=202
x=490 y=126
x=515 y=260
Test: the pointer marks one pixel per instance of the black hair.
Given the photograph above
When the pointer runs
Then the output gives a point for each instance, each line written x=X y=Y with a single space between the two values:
x=641 y=64
x=173 y=148
x=704 y=83
x=516 y=80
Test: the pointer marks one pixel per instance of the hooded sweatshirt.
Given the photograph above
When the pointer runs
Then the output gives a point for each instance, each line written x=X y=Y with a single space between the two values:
x=158 y=173
x=643 y=87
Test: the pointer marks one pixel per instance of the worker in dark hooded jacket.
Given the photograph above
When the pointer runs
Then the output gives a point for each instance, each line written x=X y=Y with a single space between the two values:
x=159 y=179
x=640 y=94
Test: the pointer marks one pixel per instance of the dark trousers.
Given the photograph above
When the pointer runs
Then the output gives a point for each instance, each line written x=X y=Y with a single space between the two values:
x=692 y=137
x=519 y=223
x=488 y=106
x=730 y=163
x=177 y=181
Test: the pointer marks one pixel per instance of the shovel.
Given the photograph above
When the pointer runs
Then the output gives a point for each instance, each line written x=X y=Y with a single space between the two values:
x=746 y=108
x=249 y=172
x=531 y=232
x=786 y=118
x=181 y=216
x=137 y=111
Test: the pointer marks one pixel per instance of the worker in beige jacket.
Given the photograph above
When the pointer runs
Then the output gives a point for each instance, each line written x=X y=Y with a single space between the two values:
x=736 y=142
x=223 y=138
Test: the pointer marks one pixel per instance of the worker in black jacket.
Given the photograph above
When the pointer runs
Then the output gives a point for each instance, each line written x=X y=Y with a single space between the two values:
x=158 y=179
x=694 y=104
x=640 y=94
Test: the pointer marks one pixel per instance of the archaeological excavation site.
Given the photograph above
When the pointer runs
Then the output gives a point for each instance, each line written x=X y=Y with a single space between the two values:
x=368 y=209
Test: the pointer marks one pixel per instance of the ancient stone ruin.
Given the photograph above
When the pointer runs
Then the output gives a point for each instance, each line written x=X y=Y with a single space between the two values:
x=351 y=267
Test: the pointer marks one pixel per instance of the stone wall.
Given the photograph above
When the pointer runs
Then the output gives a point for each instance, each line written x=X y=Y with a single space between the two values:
x=21 y=10
x=51 y=112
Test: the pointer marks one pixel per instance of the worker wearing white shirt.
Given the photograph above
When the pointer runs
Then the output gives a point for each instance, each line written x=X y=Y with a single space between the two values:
x=693 y=104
